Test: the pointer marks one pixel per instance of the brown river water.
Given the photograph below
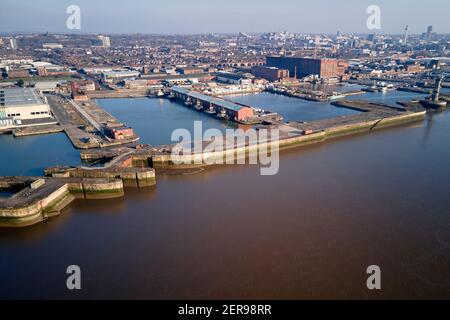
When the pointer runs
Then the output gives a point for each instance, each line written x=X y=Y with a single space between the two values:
x=310 y=231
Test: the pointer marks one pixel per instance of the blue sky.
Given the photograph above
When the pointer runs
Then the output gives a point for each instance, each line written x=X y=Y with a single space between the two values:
x=203 y=16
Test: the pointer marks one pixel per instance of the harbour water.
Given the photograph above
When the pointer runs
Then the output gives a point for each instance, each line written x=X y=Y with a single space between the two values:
x=297 y=109
x=155 y=119
x=31 y=155
x=310 y=231
x=389 y=97
x=292 y=108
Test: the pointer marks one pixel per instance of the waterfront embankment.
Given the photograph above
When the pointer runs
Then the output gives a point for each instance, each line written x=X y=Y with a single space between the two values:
x=40 y=198
x=36 y=199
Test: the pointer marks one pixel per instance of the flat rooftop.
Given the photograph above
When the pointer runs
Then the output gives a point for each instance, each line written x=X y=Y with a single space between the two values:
x=20 y=97
x=217 y=101
x=302 y=58
x=120 y=73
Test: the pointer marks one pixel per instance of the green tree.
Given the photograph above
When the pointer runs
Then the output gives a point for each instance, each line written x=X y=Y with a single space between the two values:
x=20 y=83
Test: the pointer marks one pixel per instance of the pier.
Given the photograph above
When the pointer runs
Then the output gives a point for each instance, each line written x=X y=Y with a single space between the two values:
x=220 y=107
x=85 y=123
x=34 y=199
x=127 y=93
x=36 y=130
x=39 y=198
x=311 y=95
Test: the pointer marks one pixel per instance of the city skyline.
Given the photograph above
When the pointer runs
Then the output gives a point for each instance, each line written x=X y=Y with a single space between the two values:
x=199 y=18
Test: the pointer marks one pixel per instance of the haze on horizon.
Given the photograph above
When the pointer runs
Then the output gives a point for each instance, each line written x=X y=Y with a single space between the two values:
x=231 y=16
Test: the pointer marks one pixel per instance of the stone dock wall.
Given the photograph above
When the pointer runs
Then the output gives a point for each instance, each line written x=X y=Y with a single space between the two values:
x=53 y=197
x=165 y=160
x=139 y=177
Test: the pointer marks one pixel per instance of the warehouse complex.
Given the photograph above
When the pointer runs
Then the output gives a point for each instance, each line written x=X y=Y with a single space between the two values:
x=233 y=110
x=301 y=67
x=22 y=104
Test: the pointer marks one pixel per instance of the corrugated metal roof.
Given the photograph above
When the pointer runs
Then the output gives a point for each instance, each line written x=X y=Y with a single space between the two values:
x=217 y=101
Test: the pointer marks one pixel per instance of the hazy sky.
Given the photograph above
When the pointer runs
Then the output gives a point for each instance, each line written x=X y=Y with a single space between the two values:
x=202 y=16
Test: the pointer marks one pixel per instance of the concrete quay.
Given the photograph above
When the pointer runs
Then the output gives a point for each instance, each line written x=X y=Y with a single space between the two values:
x=36 y=199
x=29 y=131
x=130 y=176
x=300 y=95
x=311 y=95
x=83 y=123
x=118 y=163
x=32 y=127
x=125 y=93
x=106 y=154
x=416 y=90
x=373 y=115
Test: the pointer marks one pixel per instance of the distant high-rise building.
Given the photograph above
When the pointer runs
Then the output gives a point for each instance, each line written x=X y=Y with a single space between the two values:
x=106 y=42
x=352 y=43
x=429 y=34
x=405 y=39
x=13 y=43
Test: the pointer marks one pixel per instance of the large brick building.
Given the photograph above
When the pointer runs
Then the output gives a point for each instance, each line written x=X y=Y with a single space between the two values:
x=119 y=131
x=270 y=73
x=342 y=67
x=18 y=73
x=302 y=67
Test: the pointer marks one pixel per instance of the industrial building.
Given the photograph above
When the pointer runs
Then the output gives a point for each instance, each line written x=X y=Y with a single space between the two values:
x=52 y=46
x=157 y=78
x=115 y=75
x=270 y=73
x=234 y=111
x=14 y=73
x=119 y=131
x=47 y=86
x=189 y=70
x=53 y=70
x=301 y=67
x=233 y=78
x=17 y=104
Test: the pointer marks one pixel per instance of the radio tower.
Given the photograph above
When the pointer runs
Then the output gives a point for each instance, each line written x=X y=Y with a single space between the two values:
x=406 y=35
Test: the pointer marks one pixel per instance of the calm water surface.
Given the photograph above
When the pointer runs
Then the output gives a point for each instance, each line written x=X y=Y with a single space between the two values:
x=155 y=119
x=292 y=108
x=298 y=109
x=308 y=232
x=31 y=155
